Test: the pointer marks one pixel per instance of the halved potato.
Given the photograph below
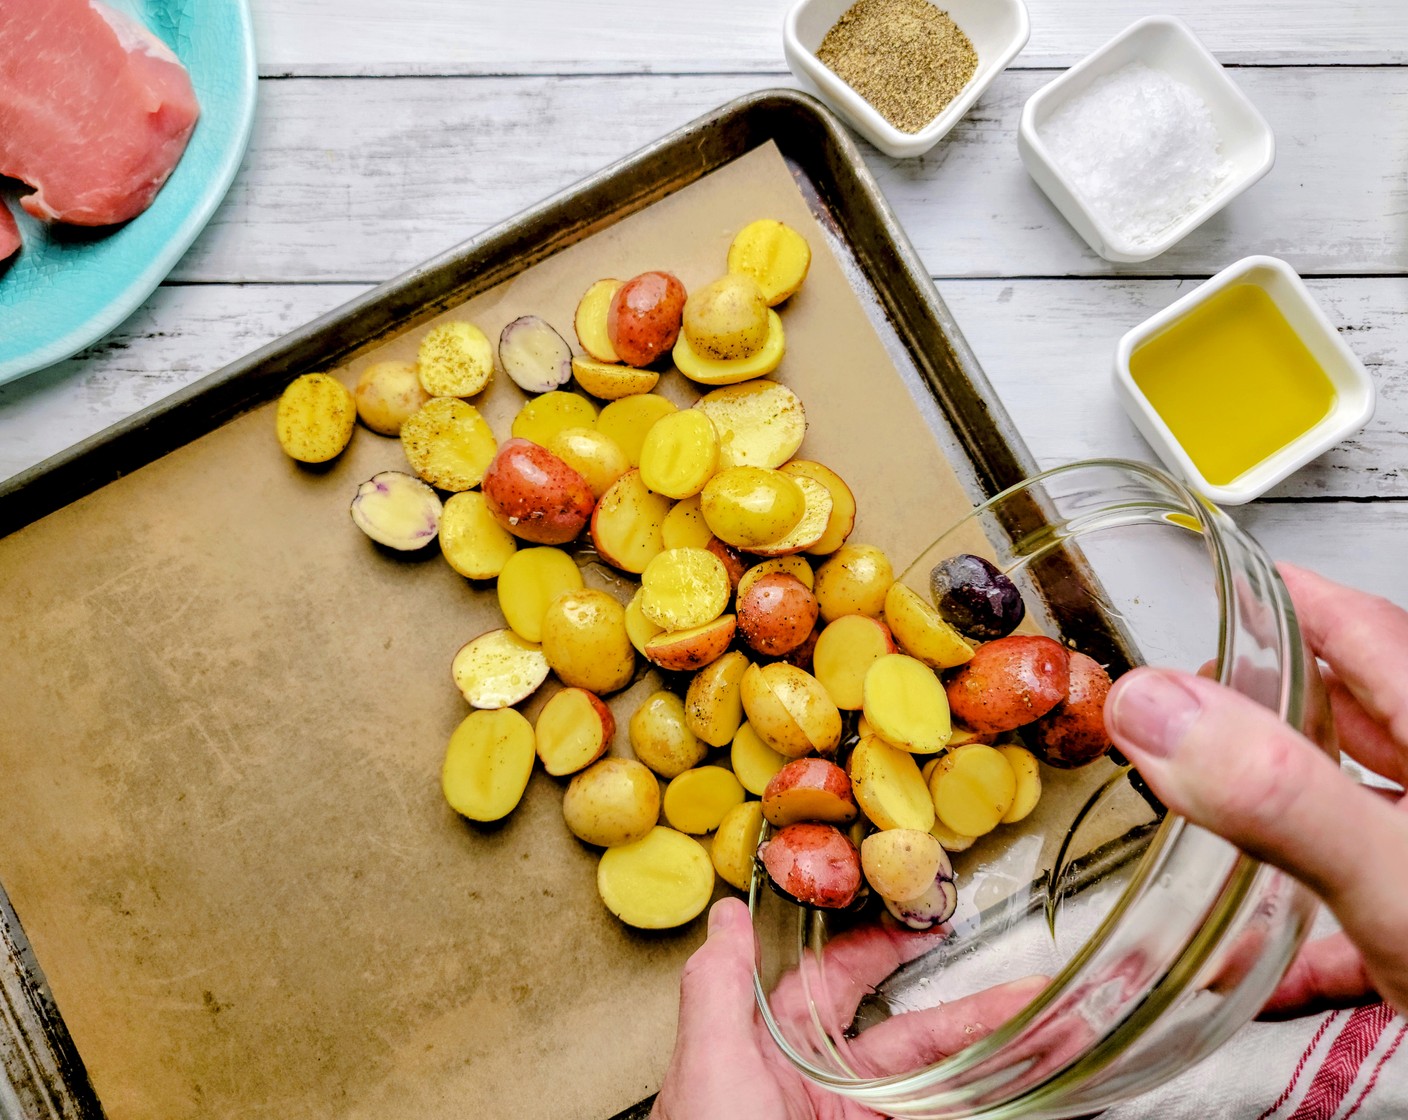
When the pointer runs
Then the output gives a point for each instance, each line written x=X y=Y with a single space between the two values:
x=684 y=526
x=687 y=650
x=639 y=628
x=816 y=514
x=844 y=653
x=920 y=631
x=474 y=544
x=699 y=799
x=454 y=359
x=713 y=704
x=902 y=863
x=386 y=393
x=843 y=504
x=680 y=454
x=628 y=419
x=1028 y=775
x=684 y=588
x=736 y=843
x=751 y=506
x=448 y=443
x=315 y=418
x=727 y=318
x=573 y=730
x=659 y=882
x=488 y=764
x=905 y=704
x=888 y=786
x=626 y=523
x=730 y=371
x=792 y=565
x=790 y=710
x=809 y=789
x=592 y=455
x=972 y=788
x=545 y=416
x=776 y=613
x=498 y=669
x=589 y=321
x=775 y=255
x=753 y=761
x=529 y=581
x=610 y=382
x=760 y=423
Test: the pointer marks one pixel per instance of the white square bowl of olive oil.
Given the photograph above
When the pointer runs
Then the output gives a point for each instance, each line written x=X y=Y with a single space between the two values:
x=997 y=30
x=1242 y=381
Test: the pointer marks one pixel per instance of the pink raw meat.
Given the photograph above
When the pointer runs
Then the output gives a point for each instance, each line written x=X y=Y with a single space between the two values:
x=95 y=111
x=9 y=234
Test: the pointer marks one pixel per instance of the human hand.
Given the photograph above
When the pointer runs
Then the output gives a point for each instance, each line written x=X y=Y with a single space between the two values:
x=725 y=1062
x=1230 y=765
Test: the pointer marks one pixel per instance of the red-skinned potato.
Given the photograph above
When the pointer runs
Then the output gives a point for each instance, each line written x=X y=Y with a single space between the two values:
x=1009 y=683
x=643 y=320
x=814 y=864
x=802 y=656
x=776 y=613
x=688 y=650
x=1073 y=732
x=535 y=495
x=809 y=789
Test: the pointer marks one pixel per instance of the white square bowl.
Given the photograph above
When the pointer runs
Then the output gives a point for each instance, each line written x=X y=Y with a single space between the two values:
x=1354 y=390
x=1161 y=43
x=998 y=29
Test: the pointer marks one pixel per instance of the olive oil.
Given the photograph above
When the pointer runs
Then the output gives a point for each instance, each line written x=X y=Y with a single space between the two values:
x=1233 y=382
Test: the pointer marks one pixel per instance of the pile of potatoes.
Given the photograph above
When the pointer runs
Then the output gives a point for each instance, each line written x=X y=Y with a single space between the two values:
x=825 y=690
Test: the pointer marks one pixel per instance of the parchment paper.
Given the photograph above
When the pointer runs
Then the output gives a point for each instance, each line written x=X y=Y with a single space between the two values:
x=225 y=713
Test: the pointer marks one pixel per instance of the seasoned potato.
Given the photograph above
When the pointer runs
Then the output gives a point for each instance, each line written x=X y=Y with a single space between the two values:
x=699 y=799
x=760 y=423
x=629 y=419
x=791 y=565
x=727 y=318
x=544 y=416
x=854 y=580
x=684 y=526
x=387 y=393
x=920 y=631
x=658 y=882
x=1028 y=776
x=612 y=382
x=474 y=544
x=888 y=786
x=661 y=737
x=574 y=729
x=842 y=518
x=776 y=613
x=627 y=523
x=680 y=454
x=315 y=418
x=753 y=761
x=589 y=321
x=1073 y=732
x=716 y=371
x=683 y=588
x=713 y=704
x=585 y=641
x=592 y=455
x=732 y=560
x=454 y=360
x=902 y=863
x=736 y=843
x=535 y=495
x=973 y=788
x=1010 y=682
x=905 y=704
x=498 y=669
x=814 y=864
x=487 y=764
x=844 y=653
x=809 y=789
x=687 y=650
x=613 y=801
x=751 y=506
x=790 y=710
x=448 y=444
x=816 y=513
x=643 y=318
x=528 y=582
x=775 y=255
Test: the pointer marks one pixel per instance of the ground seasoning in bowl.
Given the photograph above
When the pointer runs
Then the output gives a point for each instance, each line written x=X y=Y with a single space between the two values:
x=906 y=57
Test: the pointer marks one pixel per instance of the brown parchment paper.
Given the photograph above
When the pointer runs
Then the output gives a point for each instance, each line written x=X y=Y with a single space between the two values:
x=225 y=712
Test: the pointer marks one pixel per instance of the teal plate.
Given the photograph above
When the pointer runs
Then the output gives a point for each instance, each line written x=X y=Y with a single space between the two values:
x=67 y=287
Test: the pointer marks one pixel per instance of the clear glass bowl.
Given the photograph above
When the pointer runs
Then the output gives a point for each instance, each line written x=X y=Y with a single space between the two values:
x=1159 y=938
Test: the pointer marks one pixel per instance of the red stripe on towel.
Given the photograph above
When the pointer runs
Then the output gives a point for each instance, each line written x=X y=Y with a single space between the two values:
x=1300 y=1065
x=1374 y=1077
x=1341 y=1065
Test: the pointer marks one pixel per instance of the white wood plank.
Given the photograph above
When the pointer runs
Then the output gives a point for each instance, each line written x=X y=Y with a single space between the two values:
x=357 y=180
x=605 y=36
x=1358 y=544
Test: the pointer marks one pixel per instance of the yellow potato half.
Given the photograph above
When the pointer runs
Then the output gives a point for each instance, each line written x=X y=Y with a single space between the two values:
x=473 y=542
x=487 y=764
x=315 y=418
x=888 y=787
x=760 y=423
x=774 y=254
x=659 y=882
x=697 y=800
x=905 y=704
x=736 y=843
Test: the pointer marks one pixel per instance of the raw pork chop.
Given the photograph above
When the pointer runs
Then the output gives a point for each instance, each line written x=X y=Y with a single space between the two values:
x=94 y=110
x=9 y=234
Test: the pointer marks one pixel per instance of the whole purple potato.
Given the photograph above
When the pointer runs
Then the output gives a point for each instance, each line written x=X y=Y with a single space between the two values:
x=976 y=599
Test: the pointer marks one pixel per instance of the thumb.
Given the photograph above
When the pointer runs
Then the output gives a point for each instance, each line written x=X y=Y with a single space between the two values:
x=716 y=988
x=1230 y=765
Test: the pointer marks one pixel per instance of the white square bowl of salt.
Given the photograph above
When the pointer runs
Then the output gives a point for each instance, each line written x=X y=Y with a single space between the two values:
x=1142 y=141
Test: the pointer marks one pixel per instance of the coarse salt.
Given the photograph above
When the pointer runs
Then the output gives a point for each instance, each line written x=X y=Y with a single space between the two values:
x=1141 y=149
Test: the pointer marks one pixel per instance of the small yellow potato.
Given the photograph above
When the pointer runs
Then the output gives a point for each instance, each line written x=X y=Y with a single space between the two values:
x=684 y=588
x=629 y=419
x=488 y=764
x=713 y=703
x=592 y=455
x=905 y=704
x=843 y=504
x=544 y=417
x=726 y=319
x=626 y=524
x=754 y=762
x=775 y=255
x=474 y=544
x=613 y=801
x=585 y=641
x=854 y=580
x=386 y=393
x=315 y=418
x=901 y=863
x=844 y=653
x=448 y=444
x=612 y=382
x=659 y=882
x=697 y=800
x=680 y=454
x=972 y=788
x=790 y=710
x=954 y=842
x=787 y=565
x=736 y=843
x=816 y=511
x=684 y=526
x=639 y=628
x=574 y=729
x=589 y=321
x=920 y=631
x=1028 y=775
x=888 y=787
x=714 y=371
x=498 y=669
x=752 y=506
x=529 y=581
x=685 y=651
x=760 y=423
x=454 y=360
x=662 y=739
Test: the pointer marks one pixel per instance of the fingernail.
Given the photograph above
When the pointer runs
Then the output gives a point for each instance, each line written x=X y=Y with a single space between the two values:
x=1152 y=712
